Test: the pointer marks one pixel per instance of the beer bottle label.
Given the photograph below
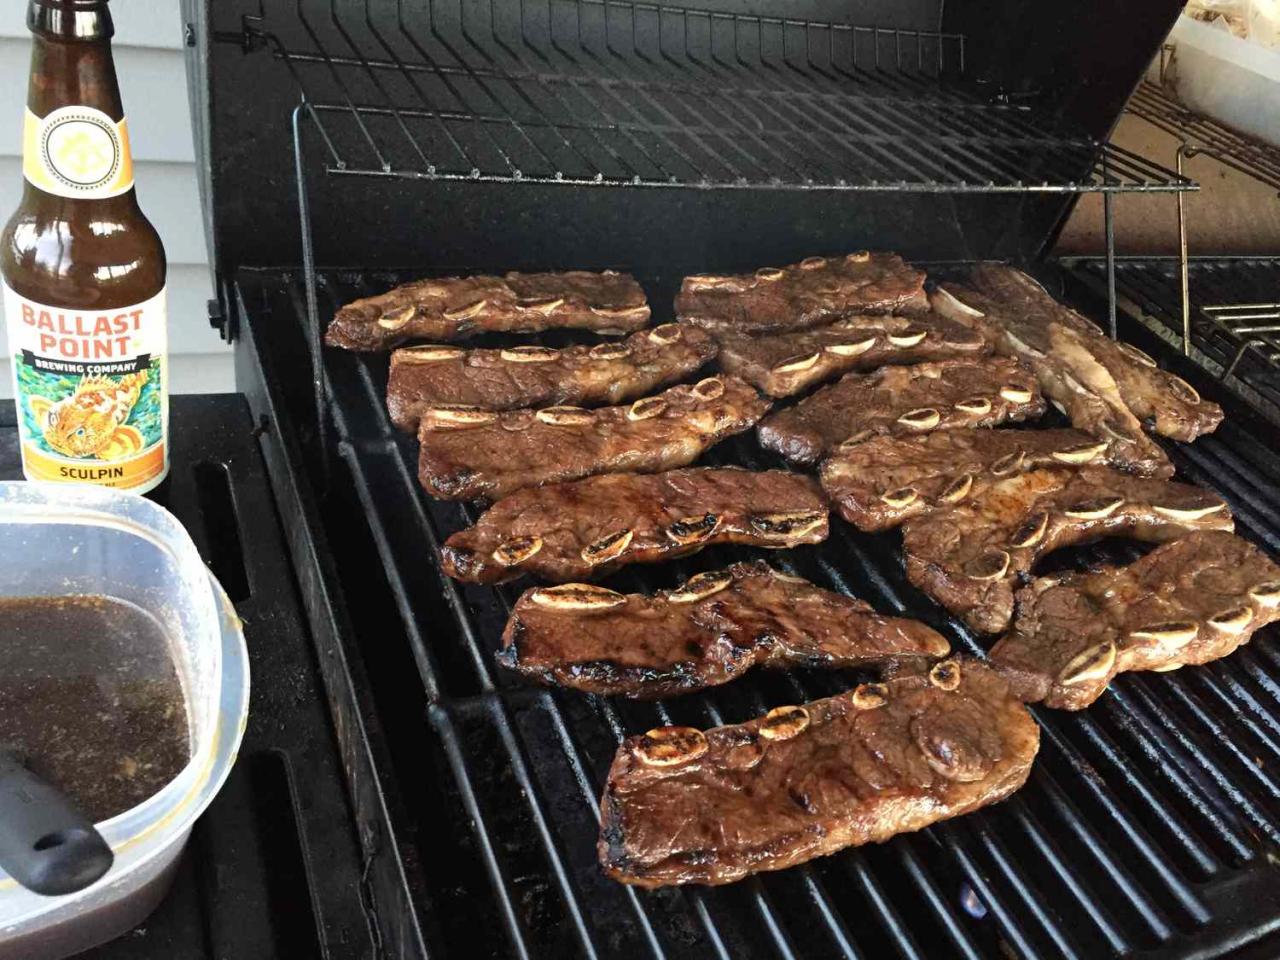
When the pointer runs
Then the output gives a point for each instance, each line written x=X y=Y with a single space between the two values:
x=93 y=404
x=77 y=152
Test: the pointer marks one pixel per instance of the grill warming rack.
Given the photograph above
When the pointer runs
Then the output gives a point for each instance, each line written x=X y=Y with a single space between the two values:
x=632 y=93
x=1147 y=828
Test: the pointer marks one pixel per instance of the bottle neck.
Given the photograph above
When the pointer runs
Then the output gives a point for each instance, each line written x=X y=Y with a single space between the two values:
x=71 y=63
x=76 y=144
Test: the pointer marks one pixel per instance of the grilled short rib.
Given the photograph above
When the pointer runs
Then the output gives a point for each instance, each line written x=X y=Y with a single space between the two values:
x=943 y=395
x=450 y=308
x=467 y=454
x=708 y=631
x=970 y=558
x=1104 y=387
x=585 y=529
x=684 y=806
x=532 y=376
x=814 y=291
x=1169 y=404
x=784 y=364
x=1189 y=601
x=880 y=482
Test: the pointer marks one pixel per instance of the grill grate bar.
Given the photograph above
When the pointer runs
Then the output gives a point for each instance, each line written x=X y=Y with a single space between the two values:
x=1119 y=765
x=500 y=883
x=519 y=766
x=1215 y=729
x=941 y=910
x=1230 y=698
x=618 y=93
x=1152 y=915
x=1011 y=925
x=1142 y=708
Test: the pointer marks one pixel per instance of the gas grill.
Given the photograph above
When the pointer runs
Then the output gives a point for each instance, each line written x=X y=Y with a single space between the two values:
x=354 y=144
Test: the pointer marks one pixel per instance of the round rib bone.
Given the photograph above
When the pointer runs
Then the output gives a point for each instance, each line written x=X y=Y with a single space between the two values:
x=427 y=353
x=395 y=319
x=516 y=551
x=701 y=586
x=607 y=547
x=467 y=312
x=576 y=597
x=456 y=417
x=530 y=354
x=669 y=746
x=850 y=349
x=1092 y=665
x=783 y=723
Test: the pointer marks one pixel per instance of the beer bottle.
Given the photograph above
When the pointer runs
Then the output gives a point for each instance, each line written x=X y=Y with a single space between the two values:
x=83 y=270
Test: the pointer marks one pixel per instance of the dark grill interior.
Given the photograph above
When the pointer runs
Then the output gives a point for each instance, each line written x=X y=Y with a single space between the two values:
x=1148 y=827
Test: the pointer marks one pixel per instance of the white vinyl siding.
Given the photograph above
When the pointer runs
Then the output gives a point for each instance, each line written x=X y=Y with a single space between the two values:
x=153 y=83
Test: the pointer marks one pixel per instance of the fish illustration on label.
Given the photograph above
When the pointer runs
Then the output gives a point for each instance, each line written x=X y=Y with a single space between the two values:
x=91 y=421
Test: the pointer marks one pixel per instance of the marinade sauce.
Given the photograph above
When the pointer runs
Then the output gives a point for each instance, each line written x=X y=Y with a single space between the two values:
x=90 y=699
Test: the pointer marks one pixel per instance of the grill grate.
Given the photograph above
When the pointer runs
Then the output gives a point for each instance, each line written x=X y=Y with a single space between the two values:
x=1235 y=314
x=1147 y=828
x=631 y=93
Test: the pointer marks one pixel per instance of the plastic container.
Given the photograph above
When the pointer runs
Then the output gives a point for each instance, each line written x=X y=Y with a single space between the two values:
x=1235 y=81
x=57 y=540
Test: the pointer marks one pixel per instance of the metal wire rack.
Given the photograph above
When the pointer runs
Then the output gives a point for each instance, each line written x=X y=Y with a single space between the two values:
x=1201 y=134
x=632 y=93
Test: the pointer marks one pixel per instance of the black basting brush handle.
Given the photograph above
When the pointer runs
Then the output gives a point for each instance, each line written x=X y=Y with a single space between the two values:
x=46 y=843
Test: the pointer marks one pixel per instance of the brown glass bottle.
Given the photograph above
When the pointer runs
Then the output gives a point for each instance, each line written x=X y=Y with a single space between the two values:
x=84 y=269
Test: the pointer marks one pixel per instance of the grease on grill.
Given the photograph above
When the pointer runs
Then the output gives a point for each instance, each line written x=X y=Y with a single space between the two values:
x=90 y=696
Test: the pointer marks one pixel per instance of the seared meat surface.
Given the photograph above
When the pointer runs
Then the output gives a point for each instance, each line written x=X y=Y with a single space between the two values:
x=1189 y=601
x=982 y=392
x=708 y=631
x=532 y=376
x=814 y=291
x=684 y=806
x=880 y=482
x=784 y=364
x=970 y=558
x=1168 y=403
x=585 y=529
x=1069 y=375
x=451 y=308
x=467 y=453
x=1108 y=388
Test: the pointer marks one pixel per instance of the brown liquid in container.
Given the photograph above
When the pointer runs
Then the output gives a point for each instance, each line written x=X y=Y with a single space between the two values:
x=90 y=697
